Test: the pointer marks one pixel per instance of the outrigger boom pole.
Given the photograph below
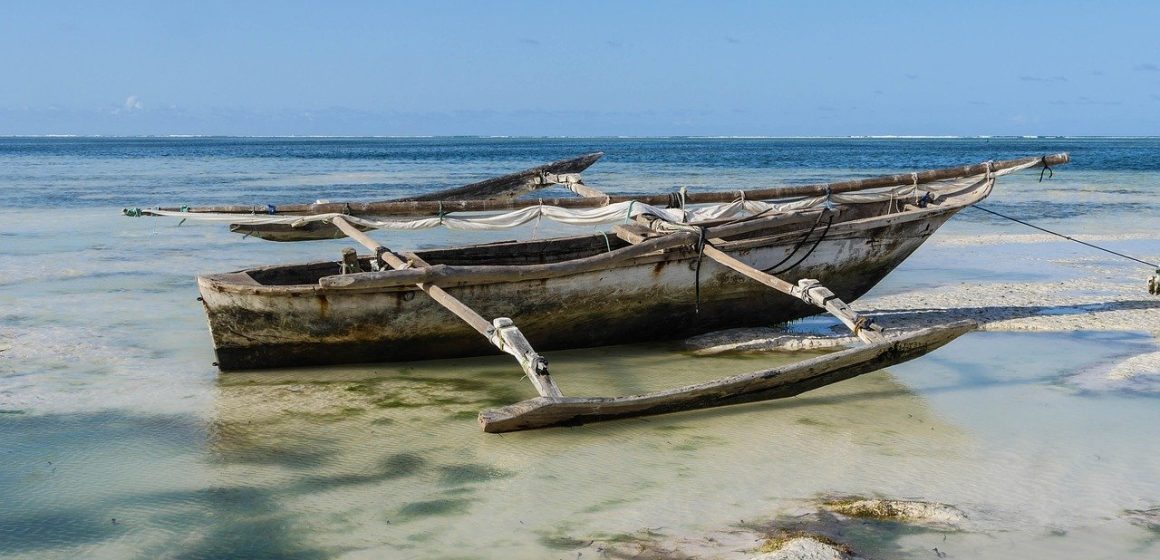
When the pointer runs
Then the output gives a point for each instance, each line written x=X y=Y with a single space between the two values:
x=501 y=332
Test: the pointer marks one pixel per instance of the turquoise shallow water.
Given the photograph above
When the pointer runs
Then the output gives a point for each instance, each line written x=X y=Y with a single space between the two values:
x=118 y=439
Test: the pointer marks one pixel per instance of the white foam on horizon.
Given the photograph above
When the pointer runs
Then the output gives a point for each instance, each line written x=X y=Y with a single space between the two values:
x=597 y=136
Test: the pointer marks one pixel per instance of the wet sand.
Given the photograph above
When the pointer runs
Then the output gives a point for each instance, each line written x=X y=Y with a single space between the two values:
x=1074 y=289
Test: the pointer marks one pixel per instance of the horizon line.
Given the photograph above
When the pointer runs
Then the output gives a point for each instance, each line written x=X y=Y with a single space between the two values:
x=599 y=136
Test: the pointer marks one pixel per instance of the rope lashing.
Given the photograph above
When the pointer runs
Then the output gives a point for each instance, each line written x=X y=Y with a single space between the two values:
x=493 y=336
x=539 y=217
x=628 y=213
x=801 y=243
x=862 y=322
x=507 y=337
x=1046 y=169
x=607 y=244
x=379 y=252
x=822 y=237
x=926 y=199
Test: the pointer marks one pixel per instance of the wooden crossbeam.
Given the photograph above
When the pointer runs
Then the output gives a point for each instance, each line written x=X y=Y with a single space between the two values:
x=501 y=332
x=807 y=290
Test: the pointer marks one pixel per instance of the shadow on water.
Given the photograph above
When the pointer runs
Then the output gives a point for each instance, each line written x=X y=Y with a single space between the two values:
x=438 y=507
x=63 y=527
x=248 y=522
x=247 y=444
x=400 y=465
x=73 y=481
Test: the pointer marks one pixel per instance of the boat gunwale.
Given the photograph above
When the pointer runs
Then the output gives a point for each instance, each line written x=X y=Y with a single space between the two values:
x=227 y=283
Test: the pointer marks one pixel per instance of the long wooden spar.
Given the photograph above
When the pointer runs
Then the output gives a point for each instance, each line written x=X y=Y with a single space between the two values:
x=512 y=185
x=433 y=207
x=501 y=332
x=807 y=290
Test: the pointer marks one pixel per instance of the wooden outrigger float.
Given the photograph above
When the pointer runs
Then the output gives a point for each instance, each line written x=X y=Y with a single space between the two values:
x=662 y=272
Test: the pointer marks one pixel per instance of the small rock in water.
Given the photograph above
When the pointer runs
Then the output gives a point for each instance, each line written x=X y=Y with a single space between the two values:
x=804 y=548
x=897 y=510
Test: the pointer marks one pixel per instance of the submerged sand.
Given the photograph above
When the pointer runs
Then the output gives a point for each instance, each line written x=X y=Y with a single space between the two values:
x=1074 y=289
x=386 y=460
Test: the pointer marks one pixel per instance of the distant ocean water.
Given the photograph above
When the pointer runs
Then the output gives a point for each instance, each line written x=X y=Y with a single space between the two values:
x=52 y=172
x=142 y=172
x=110 y=409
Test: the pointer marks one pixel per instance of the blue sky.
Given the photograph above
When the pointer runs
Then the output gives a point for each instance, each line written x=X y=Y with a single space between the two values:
x=580 y=68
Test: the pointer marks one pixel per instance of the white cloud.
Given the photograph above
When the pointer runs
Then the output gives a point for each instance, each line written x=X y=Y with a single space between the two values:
x=133 y=103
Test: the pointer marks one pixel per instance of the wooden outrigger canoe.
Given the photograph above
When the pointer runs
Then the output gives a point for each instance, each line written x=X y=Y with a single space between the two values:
x=652 y=277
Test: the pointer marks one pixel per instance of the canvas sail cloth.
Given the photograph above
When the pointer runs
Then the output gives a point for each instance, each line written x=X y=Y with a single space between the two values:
x=618 y=212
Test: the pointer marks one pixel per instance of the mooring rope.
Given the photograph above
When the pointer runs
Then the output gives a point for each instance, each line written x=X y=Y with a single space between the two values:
x=1018 y=221
x=1046 y=169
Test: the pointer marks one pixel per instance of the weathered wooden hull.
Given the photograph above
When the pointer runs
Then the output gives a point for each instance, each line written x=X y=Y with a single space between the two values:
x=648 y=298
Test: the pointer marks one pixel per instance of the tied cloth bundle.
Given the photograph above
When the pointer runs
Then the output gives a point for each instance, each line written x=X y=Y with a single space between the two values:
x=1154 y=284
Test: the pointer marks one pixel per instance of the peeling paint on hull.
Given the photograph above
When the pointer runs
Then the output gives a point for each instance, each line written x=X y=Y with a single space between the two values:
x=256 y=328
